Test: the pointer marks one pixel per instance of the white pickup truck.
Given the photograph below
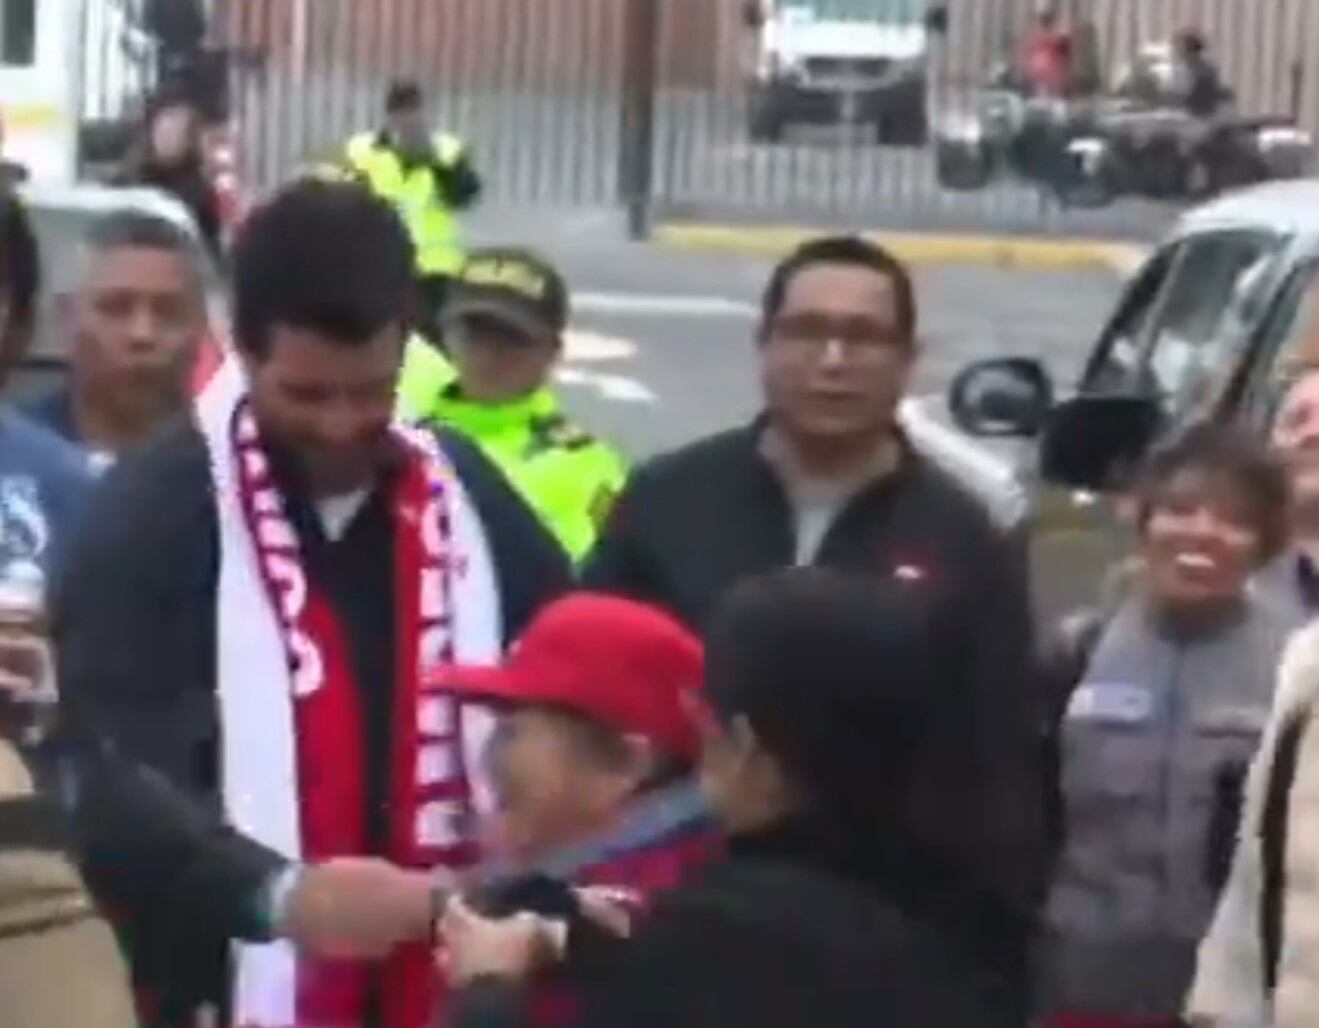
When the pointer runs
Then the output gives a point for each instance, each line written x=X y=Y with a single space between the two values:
x=846 y=62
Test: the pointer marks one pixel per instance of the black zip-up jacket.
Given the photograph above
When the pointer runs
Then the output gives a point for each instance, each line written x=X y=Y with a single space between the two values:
x=786 y=931
x=692 y=523
x=135 y=637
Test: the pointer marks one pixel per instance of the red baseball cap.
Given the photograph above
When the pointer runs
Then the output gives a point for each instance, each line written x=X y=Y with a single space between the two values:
x=621 y=663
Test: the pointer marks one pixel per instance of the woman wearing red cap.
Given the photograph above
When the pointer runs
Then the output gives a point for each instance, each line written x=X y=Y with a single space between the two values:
x=592 y=714
x=830 y=908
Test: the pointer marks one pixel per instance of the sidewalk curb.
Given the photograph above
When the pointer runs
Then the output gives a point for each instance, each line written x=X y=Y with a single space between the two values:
x=916 y=248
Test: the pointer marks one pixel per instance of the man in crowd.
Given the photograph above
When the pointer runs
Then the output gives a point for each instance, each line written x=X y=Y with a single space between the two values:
x=429 y=179
x=249 y=616
x=43 y=481
x=47 y=920
x=134 y=318
x=503 y=329
x=826 y=476
x=1293 y=579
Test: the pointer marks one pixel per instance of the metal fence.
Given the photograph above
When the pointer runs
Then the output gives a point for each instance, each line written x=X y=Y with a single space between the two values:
x=598 y=102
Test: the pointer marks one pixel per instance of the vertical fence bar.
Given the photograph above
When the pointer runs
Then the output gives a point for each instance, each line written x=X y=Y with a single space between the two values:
x=637 y=132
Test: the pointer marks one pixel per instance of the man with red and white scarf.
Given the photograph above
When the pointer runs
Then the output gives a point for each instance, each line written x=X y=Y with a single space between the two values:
x=244 y=639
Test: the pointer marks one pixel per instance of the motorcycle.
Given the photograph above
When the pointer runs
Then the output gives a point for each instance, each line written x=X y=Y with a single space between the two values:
x=1089 y=152
x=1012 y=135
x=1168 y=154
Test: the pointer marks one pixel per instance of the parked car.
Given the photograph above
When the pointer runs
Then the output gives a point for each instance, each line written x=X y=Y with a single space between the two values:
x=1210 y=327
x=61 y=216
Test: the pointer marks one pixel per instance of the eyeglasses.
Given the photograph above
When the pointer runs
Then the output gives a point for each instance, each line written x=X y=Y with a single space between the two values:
x=859 y=338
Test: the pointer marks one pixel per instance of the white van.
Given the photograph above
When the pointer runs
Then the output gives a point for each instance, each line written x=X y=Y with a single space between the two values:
x=66 y=66
x=842 y=62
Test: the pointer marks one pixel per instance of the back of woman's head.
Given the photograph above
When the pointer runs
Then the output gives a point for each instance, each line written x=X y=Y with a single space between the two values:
x=839 y=677
x=19 y=279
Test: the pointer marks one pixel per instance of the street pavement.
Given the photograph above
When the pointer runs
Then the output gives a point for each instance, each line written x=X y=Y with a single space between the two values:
x=661 y=350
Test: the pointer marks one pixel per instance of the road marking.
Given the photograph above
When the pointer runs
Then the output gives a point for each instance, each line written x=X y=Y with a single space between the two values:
x=660 y=303
x=580 y=345
x=610 y=387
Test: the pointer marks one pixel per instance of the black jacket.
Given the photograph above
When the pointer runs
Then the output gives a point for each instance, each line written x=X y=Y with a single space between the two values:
x=785 y=933
x=135 y=633
x=694 y=522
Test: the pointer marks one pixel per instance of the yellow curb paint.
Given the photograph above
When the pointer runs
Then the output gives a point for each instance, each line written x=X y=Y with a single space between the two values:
x=30 y=117
x=917 y=248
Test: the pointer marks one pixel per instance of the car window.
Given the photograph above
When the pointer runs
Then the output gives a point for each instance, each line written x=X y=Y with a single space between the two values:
x=18 y=32
x=1117 y=358
x=1190 y=343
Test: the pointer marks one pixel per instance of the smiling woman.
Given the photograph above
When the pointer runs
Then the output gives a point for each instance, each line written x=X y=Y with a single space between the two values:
x=1174 y=689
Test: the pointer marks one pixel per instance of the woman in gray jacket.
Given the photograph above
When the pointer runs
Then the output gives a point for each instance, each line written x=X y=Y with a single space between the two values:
x=1157 y=733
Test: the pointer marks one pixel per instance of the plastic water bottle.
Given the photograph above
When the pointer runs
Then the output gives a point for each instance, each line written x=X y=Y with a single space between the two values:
x=25 y=650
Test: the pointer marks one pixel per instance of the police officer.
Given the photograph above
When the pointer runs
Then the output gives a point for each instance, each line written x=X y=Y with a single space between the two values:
x=429 y=178
x=503 y=328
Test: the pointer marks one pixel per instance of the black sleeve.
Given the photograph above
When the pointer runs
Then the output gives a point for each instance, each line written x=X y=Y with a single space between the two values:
x=616 y=563
x=530 y=565
x=134 y=645
x=487 y=1003
x=1007 y=711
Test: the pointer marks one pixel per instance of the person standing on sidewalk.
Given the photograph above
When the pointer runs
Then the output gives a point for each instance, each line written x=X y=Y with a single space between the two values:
x=826 y=476
x=430 y=179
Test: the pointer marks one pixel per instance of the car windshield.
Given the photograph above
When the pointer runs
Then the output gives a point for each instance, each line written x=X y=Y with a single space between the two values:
x=887 y=12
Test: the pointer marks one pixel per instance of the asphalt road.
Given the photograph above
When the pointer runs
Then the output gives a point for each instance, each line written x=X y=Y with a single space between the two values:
x=662 y=352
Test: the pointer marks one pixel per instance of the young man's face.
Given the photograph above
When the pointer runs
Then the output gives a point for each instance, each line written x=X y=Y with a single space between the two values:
x=835 y=360
x=328 y=404
x=552 y=787
x=136 y=322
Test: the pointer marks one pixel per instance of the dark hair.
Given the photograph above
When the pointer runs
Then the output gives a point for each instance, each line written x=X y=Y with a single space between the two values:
x=137 y=230
x=850 y=250
x=20 y=276
x=838 y=675
x=1237 y=457
x=402 y=96
x=325 y=256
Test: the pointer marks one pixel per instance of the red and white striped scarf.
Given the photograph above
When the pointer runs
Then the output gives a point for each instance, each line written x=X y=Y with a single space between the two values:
x=293 y=760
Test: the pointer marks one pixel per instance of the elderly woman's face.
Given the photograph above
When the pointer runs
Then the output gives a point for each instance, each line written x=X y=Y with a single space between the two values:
x=1201 y=541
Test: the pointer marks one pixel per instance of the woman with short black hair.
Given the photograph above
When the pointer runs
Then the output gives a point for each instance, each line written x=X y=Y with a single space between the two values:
x=1174 y=690
x=829 y=908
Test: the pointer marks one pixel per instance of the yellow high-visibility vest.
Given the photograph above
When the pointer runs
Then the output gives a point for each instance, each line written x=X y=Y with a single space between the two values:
x=416 y=195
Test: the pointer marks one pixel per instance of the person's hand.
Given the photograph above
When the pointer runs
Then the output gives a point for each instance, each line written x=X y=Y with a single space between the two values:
x=356 y=908
x=511 y=947
x=25 y=664
x=609 y=908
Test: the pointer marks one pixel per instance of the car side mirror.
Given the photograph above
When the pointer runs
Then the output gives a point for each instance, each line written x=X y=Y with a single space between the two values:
x=936 y=20
x=1003 y=397
x=1094 y=442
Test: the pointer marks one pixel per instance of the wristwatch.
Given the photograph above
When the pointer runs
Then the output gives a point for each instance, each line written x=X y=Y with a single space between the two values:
x=273 y=899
